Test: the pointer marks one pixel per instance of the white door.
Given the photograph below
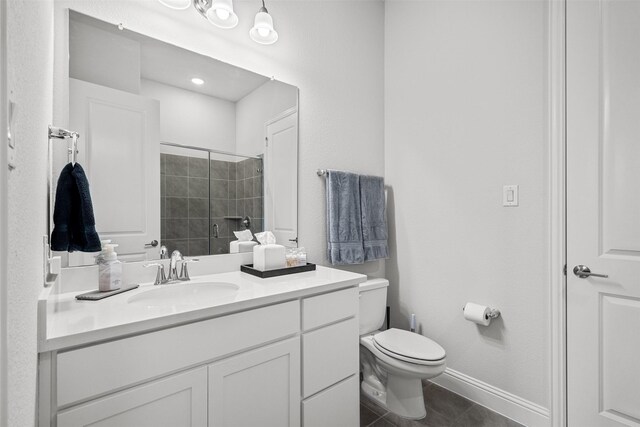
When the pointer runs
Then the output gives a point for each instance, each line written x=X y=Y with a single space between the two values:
x=281 y=178
x=257 y=388
x=179 y=400
x=603 y=212
x=119 y=149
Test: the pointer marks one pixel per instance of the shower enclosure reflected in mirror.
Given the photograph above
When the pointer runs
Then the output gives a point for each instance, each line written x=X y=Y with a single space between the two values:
x=180 y=149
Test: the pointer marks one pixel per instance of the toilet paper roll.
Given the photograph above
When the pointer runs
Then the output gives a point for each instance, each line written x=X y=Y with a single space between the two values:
x=477 y=313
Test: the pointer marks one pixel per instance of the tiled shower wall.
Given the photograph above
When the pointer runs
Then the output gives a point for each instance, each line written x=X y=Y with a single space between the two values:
x=196 y=194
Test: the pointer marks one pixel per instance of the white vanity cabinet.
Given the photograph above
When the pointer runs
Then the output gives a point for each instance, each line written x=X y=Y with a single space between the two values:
x=291 y=363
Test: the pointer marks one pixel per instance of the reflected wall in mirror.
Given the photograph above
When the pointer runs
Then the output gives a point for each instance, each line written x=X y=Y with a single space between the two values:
x=179 y=148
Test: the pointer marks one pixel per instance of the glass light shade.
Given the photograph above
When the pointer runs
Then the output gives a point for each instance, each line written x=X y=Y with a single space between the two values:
x=176 y=4
x=262 y=31
x=221 y=14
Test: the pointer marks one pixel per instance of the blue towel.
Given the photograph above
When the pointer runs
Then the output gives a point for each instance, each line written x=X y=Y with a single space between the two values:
x=344 y=223
x=73 y=219
x=374 y=221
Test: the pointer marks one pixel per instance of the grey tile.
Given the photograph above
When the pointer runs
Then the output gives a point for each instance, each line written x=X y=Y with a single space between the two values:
x=219 y=246
x=239 y=189
x=257 y=186
x=176 y=186
x=257 y=225
x=233 y=210
x=177 y=207
x=177 y=229
x=247 y=184
x=163 y=187
x=249 y=168
x=198 y=208
x=163 y=204
x=433 y=419
x=163 y=230
x=198 y=187
x=367 y=416
x=180 y=245
x=219 y=207
x=198 y=167
x=232 y=171
x=198 y=228
x=479 y=416
x=219 y=169
x=232 y=190
x=240 y=204
x=163 y=163
x=198 y=247
x=240 y=169
x=258 y=207
x=382 y=422
x=177 y=165
x=445 y=402
x=364 y=400
x=219 y=189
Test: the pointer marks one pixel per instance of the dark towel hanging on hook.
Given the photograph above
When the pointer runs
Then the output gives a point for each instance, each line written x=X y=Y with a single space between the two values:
x=73 y=218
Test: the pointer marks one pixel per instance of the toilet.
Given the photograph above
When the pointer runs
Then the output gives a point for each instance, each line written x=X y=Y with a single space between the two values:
x=394 y=362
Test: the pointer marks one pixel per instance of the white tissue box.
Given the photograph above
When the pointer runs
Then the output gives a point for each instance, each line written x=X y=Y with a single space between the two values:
x=244 y=246
x=268 y=257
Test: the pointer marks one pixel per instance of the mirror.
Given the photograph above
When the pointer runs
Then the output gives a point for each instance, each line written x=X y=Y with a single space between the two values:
x=180 y=149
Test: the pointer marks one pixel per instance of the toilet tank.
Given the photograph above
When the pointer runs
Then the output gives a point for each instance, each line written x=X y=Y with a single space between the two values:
x=373 y=304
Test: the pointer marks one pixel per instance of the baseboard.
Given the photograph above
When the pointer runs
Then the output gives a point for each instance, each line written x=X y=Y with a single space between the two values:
x=511 y=406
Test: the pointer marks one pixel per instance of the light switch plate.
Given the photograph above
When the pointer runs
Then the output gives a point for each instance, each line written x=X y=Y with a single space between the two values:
x=510 y=195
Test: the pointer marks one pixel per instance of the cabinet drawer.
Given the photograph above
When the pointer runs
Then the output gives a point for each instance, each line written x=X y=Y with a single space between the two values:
x=329 y=355
x=90 y=371
x=179 y=400
x=328 y=308
x=335 y=406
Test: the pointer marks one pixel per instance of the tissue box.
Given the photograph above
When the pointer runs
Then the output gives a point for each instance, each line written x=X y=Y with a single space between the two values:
x=238 y=246
x=268 y=257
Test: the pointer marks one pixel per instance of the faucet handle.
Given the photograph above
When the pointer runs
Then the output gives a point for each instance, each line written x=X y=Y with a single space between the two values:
x=160 y=276
x=184 y=272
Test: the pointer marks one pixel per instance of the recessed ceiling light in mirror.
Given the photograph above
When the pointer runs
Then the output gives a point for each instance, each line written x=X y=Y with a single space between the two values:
x=176 y=4
x=197 y=81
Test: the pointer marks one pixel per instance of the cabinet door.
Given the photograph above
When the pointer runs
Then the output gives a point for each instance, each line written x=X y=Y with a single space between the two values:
x=337 y=406
x=259 y=387
x=179 y=400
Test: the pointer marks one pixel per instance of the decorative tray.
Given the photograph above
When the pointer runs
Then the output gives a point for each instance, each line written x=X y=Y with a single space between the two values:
x=277 y=272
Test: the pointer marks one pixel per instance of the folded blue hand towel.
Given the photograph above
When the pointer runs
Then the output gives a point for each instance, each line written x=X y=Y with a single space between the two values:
x=73 y=218
x=374 y=220
x=344 y=223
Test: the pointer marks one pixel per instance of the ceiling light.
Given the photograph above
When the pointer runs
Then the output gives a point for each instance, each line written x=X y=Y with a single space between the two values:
x=197 y=81
x=221 y=14
x=176 y=4
x=262 y=31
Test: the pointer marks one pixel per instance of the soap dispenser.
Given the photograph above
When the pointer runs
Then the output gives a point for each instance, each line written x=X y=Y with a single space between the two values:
x=109 y=269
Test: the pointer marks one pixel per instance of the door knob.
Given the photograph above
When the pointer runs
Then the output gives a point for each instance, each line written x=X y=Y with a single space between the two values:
x=152 y=244
x=582 y=271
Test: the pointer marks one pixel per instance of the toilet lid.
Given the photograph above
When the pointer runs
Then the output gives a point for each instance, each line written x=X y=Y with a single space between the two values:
x=408 y=345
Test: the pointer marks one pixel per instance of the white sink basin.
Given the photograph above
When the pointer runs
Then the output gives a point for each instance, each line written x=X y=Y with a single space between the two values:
x=185 y=294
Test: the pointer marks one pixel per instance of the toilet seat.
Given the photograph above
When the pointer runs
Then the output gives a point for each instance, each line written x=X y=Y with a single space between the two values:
x=409 y=347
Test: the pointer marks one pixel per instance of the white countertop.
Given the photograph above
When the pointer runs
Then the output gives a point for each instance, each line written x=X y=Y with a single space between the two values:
x=71 y=323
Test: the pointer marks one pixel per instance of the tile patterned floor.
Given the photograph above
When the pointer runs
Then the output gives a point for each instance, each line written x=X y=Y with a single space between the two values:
x=444 y=409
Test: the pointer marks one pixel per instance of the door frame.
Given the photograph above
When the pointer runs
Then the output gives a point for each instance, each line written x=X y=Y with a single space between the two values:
x=4 y=105
x=557 y=211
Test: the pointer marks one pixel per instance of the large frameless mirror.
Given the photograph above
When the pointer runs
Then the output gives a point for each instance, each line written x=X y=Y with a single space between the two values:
x=180 y=149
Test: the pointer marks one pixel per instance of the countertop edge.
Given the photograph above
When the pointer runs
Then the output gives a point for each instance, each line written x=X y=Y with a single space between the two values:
x=93 y=337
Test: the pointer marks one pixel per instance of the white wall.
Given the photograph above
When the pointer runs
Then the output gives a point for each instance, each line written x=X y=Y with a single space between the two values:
x=255 y=109
x=332 y=51
x=30 y=59
x=191 y=118
x=466 y=113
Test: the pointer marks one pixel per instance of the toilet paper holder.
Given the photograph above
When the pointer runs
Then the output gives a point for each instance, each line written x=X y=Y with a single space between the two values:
x=494 y=313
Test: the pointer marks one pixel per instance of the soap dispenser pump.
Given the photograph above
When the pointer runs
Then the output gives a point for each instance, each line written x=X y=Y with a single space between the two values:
x=109 y=269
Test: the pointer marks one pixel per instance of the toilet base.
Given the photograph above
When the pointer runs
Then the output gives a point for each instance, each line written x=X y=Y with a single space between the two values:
x=403 y=397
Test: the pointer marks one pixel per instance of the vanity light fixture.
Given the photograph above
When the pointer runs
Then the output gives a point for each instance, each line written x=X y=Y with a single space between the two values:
x=262 y=31
x=197 y=81
x=220 y=13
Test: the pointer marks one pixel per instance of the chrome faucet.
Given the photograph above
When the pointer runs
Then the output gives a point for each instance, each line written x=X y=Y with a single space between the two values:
x=176 y=257
x=173 y=265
